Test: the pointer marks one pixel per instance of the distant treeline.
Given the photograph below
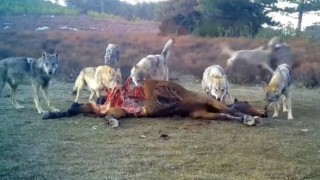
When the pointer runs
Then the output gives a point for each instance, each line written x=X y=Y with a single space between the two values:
x=213 y=18
x=34 y=7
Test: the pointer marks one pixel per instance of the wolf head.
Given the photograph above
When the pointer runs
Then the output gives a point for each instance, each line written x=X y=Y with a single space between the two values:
x=111 y=78
x=112 y=54
x=49 y=62
x=218 y=87
x=138 y=75
x=272 y=93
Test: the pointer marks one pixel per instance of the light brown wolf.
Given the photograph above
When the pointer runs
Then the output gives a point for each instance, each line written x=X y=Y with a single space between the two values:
x=29 y=71
x=152 y=66
x=97 y=79
x=280 y=85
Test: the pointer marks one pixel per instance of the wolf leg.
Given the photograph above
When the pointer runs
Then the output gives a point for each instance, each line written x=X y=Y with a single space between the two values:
x=267 y=67
x=288 y=98
x=13 y=97
x=167 y=74
x=79 y=88
x=46 y=97
x=2 y=83
x=92 y=93
x=285 y=105
x=276 y=106
x=36 y=97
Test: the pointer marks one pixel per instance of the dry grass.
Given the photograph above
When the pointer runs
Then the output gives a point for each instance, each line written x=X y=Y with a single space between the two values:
x=83 y=148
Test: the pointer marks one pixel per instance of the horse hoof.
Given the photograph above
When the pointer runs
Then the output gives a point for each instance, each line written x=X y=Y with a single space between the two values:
x=258 y=121
x=249 y=120
x=114 y=122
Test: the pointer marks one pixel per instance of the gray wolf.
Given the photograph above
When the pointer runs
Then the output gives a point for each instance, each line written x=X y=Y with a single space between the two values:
x=152 y=66
x=97 y=79
x=112 y=55
x=215 y=83
x=25 y=71
x=279 y=85
x=261 y=56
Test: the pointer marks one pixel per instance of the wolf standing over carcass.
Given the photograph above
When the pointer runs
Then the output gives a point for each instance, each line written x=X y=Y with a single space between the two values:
x=215 y=83
x=280 y=85
x=152 y=66
x=25 y=71
x=97 y=79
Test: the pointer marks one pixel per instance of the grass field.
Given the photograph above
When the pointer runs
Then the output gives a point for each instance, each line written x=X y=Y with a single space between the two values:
x=84 y=148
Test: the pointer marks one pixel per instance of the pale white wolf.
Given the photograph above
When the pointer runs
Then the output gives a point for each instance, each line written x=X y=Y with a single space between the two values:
x=29 y=71
x=97 y=79
x=215 y=83
x=152 y=66
x=280 y=85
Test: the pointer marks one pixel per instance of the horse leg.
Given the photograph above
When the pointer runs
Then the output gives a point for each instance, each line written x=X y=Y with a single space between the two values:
x=113 y=114
x=247 y=120
x=221 y=108
x=75 y=109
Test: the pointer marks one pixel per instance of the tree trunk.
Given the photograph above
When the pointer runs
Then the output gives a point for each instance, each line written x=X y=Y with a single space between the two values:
x=301 y=8
x=102 y=6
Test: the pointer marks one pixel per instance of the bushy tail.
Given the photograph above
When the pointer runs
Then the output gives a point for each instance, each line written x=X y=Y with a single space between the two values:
x=79 y=82
x=226 y=49
x=167 y=49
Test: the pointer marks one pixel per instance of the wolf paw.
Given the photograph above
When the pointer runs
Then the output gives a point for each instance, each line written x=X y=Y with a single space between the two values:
x=40 y=111
x=249 y=120
x=275 y=116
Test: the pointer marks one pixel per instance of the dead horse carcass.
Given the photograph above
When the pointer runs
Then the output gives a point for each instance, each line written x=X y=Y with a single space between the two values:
x=163 y=99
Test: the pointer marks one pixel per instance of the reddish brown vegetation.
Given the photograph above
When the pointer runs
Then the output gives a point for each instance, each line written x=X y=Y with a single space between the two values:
x=190 y=54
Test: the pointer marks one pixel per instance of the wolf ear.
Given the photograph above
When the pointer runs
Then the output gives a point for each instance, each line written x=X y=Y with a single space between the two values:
x=111 y=72
x=118 y=71
x=236 y=100
x=56 y=54
x=44 y=54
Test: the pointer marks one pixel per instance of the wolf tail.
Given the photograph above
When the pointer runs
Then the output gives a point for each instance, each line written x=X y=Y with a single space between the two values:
x=167 y=49
x=226 y=49
x=80 y=82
